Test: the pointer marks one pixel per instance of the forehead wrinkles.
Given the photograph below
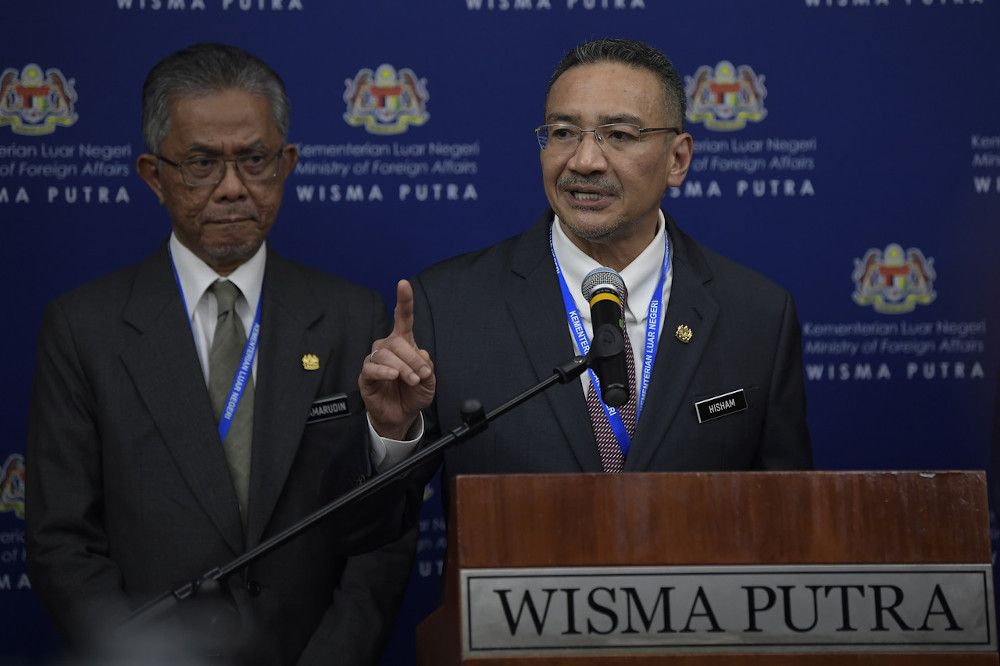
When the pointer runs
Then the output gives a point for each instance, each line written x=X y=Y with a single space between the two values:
x=220 y=145
x=230 y=121
x=607 y=92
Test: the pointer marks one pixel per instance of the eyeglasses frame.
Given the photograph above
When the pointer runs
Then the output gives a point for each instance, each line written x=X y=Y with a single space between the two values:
x=279 y=155
x=594 y=131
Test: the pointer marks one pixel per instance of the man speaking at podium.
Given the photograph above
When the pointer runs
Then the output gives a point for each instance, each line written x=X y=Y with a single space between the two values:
x=711 y=364
x=189 y=407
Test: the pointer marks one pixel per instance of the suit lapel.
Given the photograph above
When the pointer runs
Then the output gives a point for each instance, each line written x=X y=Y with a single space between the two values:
x=535 y=303
x=283 y=385
x=676 y=362
x=163 y=364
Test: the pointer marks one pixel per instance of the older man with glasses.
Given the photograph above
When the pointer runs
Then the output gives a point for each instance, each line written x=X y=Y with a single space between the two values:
x=182 y=408
x=708 y=359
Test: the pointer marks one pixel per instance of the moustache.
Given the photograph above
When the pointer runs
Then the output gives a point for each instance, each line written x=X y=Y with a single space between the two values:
x=599 y=182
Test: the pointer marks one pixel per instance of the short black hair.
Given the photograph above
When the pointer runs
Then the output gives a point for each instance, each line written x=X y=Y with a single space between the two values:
x=633 y=54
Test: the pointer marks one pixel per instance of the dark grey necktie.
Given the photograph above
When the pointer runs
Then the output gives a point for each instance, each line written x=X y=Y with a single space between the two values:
x=223 y=363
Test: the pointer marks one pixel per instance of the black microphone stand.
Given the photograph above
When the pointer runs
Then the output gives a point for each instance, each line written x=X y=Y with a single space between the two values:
x=474 y=421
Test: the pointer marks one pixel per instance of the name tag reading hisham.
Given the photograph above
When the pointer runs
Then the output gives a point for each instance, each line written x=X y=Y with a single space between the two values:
x=721 y=405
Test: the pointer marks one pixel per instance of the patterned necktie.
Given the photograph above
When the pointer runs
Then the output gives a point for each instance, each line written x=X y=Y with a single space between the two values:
x=223 y=363
x=607 y=445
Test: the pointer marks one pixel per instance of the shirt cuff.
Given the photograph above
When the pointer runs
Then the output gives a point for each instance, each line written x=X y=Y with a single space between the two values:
x=387 y=452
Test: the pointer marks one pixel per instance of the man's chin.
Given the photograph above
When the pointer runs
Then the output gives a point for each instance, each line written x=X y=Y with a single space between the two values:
x=231 y=253
x=590 y=227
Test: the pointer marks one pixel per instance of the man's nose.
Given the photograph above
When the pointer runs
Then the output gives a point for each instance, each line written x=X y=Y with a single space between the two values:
x=589 y=154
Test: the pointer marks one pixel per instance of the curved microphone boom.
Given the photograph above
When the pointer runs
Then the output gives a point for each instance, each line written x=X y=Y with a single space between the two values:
x=605 y=291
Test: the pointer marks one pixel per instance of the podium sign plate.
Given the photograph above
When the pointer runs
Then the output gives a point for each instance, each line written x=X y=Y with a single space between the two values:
x=724 y=609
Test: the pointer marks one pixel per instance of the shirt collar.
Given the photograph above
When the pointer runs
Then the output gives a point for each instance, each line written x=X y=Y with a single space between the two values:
x=641 y=276
x=196 y=276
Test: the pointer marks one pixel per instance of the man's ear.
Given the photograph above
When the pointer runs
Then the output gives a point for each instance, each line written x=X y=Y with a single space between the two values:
x=681 y=151
x=148 y=167
x=291 y=158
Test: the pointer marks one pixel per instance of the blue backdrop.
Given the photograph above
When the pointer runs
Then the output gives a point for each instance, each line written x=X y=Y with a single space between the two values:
x=848 y=149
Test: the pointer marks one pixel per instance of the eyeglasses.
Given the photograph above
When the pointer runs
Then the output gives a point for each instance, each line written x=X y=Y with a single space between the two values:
x=204 y=170
x=617 y=137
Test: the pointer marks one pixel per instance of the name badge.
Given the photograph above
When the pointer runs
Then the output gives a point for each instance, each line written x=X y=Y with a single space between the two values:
x=721 y=405
x=328 y=408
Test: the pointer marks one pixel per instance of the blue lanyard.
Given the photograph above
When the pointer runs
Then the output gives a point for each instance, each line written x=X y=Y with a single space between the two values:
x=653 y=322
x=239 y=382
x=246 y=364
x=653 y=327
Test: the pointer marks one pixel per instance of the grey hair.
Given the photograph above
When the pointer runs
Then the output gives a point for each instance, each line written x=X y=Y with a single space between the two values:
x=205 y=69
x=636 y=55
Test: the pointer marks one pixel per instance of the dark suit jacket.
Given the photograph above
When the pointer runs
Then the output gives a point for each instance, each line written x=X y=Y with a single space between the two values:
x=494 y=324
x=129 y=494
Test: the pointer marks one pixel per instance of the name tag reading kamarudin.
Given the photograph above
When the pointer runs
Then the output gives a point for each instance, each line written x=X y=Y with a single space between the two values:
x=328 y=408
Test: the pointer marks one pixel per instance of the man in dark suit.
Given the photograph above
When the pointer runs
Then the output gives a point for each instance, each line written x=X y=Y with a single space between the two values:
x=715 y=347
x=150 y=465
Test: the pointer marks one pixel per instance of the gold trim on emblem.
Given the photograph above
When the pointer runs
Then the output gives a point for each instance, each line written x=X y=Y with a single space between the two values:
x=684 y=334
x=310 y=362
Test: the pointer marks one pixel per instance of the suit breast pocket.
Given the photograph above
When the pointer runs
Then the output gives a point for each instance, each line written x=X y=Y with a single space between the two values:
x=727 y=426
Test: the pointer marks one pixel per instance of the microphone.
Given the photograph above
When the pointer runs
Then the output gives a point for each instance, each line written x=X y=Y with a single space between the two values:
x=605 y=290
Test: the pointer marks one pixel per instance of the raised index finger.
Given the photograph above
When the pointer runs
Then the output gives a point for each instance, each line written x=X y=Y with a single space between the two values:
x=403 y=324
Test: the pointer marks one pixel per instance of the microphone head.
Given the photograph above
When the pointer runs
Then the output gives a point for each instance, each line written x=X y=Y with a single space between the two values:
x=603 y=281
x=604 y=290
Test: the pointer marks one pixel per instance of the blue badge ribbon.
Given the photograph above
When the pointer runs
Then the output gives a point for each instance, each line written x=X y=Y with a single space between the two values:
x=653 y=326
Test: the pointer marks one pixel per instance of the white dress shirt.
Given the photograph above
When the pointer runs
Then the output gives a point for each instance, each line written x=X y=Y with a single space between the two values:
x=196 y=277
x=641 y=277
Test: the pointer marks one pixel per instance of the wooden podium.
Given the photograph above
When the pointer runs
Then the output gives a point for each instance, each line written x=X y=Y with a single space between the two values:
x=862 y=540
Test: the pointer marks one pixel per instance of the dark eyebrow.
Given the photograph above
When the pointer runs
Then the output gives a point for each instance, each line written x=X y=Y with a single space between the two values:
x=562 y=118
x=602 y=120
x=621 y=118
